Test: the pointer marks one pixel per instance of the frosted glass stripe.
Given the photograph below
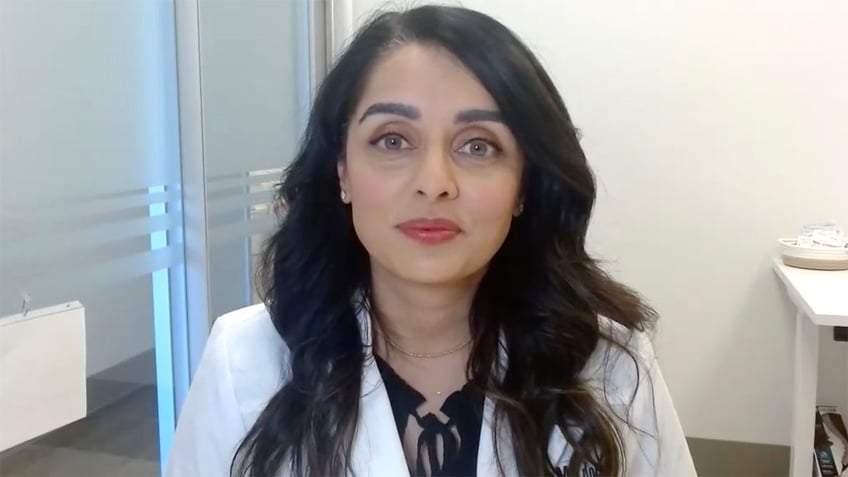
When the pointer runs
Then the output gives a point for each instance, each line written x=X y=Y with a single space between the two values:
x=251 y=177
x=241 y=230
x=241 y=201
x=101 y=202
x=78 y=233
x=79 y=278
x=18 y=266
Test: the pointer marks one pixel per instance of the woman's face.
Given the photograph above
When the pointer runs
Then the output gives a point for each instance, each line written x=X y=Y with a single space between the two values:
x=430 y=170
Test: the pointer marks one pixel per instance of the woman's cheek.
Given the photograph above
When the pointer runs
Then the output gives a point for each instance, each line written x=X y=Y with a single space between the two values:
x=495 y=202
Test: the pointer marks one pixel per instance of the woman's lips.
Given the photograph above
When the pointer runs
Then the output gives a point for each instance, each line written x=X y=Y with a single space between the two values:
x=430 y=231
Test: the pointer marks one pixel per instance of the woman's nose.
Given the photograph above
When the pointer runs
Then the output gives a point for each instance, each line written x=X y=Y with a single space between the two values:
x=436 y=178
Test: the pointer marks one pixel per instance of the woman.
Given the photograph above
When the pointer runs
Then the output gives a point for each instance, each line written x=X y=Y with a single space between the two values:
x=430 y=306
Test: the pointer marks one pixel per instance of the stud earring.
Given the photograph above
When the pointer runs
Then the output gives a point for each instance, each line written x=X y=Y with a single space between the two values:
x=519 y=209
x=344 y=196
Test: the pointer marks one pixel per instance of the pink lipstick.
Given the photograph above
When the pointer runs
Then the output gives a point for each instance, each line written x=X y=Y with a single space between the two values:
x=430 y=231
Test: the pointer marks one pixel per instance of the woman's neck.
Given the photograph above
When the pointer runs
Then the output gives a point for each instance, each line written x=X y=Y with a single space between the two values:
x=422 y=318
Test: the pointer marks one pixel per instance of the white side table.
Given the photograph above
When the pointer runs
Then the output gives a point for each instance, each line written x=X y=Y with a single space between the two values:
x=822 y=300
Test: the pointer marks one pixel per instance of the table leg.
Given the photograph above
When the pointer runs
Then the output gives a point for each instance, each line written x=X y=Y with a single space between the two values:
x=804 y=396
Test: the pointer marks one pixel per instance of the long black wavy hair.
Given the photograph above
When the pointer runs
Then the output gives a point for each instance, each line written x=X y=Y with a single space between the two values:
x=542 y=289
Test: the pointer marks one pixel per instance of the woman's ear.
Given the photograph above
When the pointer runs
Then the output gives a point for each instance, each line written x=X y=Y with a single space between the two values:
x=341 y=169
x=519 y=206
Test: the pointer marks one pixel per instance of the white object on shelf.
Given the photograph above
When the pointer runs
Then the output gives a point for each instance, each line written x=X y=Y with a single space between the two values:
x=822 y=300
x=827 y=234
x=816 y=258
x=42 y=372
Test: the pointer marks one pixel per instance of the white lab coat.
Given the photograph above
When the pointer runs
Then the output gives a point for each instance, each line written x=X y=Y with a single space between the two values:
x=242 y=367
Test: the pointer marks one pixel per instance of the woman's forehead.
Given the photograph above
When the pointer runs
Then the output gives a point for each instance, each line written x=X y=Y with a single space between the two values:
x=425 y=77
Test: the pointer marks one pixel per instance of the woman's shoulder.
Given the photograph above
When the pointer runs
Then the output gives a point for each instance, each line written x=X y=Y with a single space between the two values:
x=254 y=354
x=624 y=374
x=248 y=323
x=622 y=360
x=241 y=369
x=249 y=337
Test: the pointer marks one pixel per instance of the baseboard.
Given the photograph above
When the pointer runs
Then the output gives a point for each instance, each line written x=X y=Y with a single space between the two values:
x=717 y=458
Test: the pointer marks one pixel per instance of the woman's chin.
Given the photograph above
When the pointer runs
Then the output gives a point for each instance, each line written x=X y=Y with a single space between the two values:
x=438 y=273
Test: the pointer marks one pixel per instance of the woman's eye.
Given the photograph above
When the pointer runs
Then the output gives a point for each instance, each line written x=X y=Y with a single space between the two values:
x=391 y=142
x=479 y=148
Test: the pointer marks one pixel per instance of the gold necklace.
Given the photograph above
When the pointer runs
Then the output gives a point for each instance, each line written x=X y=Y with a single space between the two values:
x=423 y=355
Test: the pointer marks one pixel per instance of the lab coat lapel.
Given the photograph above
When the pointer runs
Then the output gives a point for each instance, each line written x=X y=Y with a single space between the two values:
x=377 y=449
x=487 y=462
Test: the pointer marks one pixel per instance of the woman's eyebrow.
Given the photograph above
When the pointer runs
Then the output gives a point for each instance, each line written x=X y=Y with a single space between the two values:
x=411 y=112
x=398 y=109
x=474 y=115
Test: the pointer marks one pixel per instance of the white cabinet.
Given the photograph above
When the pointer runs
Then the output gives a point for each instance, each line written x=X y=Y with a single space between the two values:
x=42 y=372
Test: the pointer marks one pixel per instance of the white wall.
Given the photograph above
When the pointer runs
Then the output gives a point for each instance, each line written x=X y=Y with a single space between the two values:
x=714 y=128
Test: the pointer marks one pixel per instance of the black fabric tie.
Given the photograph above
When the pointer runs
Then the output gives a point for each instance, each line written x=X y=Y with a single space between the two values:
x=458 y=438
x=431 y=429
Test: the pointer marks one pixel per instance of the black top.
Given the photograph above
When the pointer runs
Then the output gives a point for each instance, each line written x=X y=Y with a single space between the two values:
x=447 y=445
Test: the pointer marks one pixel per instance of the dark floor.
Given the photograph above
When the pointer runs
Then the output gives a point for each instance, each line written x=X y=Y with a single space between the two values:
x=119 y=440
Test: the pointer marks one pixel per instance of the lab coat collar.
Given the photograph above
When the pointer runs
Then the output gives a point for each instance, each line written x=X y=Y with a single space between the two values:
x=377 y=449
